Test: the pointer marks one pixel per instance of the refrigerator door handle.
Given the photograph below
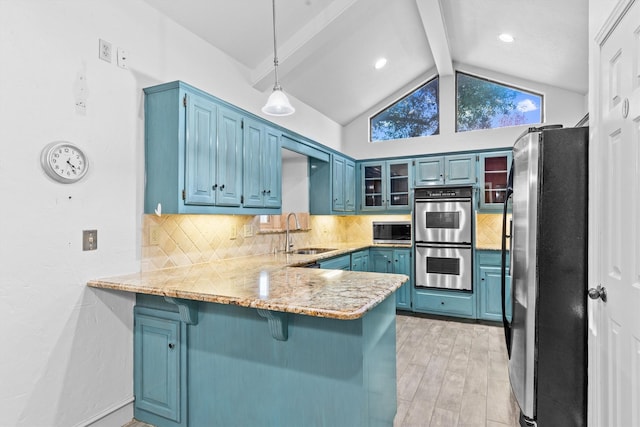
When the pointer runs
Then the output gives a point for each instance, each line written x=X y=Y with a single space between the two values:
x=503 y=274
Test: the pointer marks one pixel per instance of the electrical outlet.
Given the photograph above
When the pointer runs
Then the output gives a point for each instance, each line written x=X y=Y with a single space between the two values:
x=233 y=232
x=248 y=230
x=121 y=56
x=154 y=235
x=89 y=240
x=104 y=50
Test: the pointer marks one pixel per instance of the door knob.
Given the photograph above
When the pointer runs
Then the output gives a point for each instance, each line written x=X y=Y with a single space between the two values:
x=599 y=292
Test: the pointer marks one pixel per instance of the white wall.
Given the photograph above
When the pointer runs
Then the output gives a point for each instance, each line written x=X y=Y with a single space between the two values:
x=561 y=106
x=66 y=348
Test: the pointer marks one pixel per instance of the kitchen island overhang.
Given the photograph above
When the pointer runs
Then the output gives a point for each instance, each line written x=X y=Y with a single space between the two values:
x=261 y=343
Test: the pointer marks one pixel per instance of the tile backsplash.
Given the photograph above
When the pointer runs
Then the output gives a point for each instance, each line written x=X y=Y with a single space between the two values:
x=178 y=240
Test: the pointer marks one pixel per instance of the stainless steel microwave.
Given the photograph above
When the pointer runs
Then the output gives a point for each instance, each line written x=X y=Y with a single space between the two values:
x=392 y=232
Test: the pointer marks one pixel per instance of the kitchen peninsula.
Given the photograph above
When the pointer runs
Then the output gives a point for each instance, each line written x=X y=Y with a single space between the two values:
x=260 y=341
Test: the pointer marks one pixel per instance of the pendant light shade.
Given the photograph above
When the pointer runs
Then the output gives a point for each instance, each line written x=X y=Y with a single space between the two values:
x=278 y=104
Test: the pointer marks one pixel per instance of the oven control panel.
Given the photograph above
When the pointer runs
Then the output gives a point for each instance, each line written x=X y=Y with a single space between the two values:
x=442 y=192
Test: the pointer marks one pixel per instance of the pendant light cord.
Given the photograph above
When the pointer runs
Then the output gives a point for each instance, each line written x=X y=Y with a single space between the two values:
x=275 y=49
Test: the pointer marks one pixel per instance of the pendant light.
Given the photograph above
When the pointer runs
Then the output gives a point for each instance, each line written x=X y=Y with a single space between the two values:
x=278 y=104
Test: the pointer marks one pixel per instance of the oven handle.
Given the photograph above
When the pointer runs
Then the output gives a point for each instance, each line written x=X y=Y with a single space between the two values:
x=444 y=245
x=434 y=200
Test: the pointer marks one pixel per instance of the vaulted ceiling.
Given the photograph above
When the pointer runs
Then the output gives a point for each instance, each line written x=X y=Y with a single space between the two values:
x=327 y=48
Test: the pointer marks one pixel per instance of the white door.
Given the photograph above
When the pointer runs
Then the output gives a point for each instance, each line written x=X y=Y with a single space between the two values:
x=614 y=340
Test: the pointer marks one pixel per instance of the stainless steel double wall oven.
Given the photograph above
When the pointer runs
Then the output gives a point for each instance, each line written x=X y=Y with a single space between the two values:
x=443 y=230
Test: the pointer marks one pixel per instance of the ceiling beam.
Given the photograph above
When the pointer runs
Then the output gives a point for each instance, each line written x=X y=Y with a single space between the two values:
x=302 y=44
x=436 y=31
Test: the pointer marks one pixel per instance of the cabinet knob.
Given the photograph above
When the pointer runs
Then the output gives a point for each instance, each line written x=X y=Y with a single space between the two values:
x=222 y=187
x=269 y=192
x=172 y=346
x=214 y=186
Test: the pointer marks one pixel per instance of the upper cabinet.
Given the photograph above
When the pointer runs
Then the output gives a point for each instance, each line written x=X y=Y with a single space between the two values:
x=445 y=170
x=262 y=178
x=344 y=184
x=332 y=185
x=493 y=171
x=195 y=159
x=386 y=186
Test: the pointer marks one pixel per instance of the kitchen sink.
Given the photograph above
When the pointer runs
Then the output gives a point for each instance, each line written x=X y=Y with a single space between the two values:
x=311 y=251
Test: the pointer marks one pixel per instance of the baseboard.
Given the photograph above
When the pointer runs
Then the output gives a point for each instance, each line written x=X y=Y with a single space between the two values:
x=117 y=415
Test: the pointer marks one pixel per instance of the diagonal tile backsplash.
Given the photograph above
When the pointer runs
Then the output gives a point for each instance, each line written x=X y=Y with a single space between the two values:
x=178 y=240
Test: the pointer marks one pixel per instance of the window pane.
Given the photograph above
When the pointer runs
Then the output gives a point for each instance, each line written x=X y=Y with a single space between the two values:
x=414 y=115
x=483 y=104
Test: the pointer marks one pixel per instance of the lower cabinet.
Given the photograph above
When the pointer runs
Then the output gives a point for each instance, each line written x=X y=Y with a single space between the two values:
x=446 y=303
x=360 y=260
x=159 y=367
x=394 y=260
x=342 y=262
x=489 y=286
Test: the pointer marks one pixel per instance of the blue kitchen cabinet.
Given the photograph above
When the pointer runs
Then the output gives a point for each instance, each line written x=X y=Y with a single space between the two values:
x=262 y=166
x=229 y=158
x=444 y=302
x=159 y=367
x=332 y=186
x=193 y=151
x=360 y=260
x=343 y=184
x=394 y=260
x=445 y=170
x=386 y=186
x=493 y=172
x=490 y=286
x=342 y=262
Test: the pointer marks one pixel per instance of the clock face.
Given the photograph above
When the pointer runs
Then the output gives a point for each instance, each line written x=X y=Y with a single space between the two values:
x=64 y=162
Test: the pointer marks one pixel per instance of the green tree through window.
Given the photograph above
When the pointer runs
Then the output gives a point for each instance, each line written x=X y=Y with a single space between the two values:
x=483 y=104
x=414 y=115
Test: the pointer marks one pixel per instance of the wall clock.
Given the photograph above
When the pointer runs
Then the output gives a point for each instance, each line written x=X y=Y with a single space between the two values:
x=64 y=162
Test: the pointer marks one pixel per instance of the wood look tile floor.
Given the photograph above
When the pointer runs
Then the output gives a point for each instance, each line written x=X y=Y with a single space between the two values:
x=449 y=374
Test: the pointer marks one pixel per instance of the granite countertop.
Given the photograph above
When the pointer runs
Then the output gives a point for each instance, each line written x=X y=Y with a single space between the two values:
x=271 y=282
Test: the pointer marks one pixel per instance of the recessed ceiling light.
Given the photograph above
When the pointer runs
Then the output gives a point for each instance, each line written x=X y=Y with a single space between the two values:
x=380 y=63
x=507 y=38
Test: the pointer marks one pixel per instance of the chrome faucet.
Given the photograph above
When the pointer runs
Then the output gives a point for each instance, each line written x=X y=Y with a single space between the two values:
x=288 y=244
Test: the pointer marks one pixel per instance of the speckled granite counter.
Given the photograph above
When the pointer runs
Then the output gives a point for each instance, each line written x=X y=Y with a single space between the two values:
x=272 y=282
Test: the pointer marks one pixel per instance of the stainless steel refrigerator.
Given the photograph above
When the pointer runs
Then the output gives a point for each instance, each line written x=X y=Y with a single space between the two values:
x=547 y=335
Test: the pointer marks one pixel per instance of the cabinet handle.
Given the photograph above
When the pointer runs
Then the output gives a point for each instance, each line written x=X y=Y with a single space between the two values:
x=222 y=187
x=172 y=346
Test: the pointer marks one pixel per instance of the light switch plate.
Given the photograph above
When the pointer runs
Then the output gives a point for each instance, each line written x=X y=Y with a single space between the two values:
x=89 y=240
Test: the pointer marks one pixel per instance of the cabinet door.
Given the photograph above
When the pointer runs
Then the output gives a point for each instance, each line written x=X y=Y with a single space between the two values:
x=157 y=353
x=402 y=265
x=429 y=171
x=272 y=169
x=381 y=260
x=460 y=169
x=349 y=186
x=398 y=185
x=201 y=156
x=493 y=170
x=491 y=294
x=373 y=186
x=229 y=162
x=338 y=184
x=252 y=164
x=338 y=263
x=360 y=261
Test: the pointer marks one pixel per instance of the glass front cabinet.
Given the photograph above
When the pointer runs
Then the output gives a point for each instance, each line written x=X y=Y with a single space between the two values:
x=493 y=171
x=386 y=185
